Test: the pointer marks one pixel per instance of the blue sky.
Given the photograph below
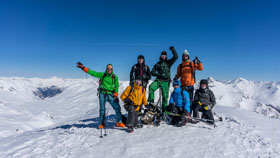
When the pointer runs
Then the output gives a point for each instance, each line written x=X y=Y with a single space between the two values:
x=232 y=38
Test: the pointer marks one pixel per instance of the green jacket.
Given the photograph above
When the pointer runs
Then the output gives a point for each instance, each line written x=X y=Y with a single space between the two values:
x=161 y=69
x=109 y=83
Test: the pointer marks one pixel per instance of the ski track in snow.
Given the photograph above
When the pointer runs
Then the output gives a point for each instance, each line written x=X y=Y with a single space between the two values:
x=66 y=126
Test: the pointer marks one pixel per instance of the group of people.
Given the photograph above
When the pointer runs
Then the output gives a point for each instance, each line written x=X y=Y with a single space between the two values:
x=182 y=105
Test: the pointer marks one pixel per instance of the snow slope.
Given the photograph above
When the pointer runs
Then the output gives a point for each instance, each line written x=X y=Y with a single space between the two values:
x=64 y=124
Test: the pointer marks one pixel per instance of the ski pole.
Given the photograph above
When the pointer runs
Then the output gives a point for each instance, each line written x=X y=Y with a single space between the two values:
x=101 y=133
x=220 y=118
x=105 y=122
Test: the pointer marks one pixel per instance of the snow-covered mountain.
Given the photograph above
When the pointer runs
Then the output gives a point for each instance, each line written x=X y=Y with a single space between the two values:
x=58 y=117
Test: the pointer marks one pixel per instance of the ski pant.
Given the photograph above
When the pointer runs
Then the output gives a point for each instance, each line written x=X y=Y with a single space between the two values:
x=103 y=98
x=164 y=85
x=132 y=118
x=190 y=90
x=177 y=120
x=206 y=114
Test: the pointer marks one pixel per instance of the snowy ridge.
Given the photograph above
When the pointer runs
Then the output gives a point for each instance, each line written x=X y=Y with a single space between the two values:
x=248 y=95
x=64 y=124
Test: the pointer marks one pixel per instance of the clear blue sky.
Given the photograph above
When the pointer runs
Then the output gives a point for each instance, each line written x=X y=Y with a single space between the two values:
x=233 y=38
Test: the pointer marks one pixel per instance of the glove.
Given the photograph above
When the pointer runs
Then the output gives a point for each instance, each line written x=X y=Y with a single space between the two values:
x=81 y=66
x=171 y=48
x=115 y=95
x=181 y=109
x=128 y=101
x=207 y=107
x=196 y=61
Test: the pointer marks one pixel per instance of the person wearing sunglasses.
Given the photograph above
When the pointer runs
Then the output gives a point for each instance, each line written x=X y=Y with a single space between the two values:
x=108 y=92
x=186 y=73
x=161 y=71
x=179 y=105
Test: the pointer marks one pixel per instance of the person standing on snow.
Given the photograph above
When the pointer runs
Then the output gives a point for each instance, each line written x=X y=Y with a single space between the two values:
x=133 y=99
x=179 y=103
x=140 y=70
x=161 y=71
x=204 y=101
x=186 y=71
x=108 y=91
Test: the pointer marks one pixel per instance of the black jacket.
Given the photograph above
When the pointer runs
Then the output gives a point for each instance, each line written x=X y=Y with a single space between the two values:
x=205 y=96
x=136 y=72
x=161 y=69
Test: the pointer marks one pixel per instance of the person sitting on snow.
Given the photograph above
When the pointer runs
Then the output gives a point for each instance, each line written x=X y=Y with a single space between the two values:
x=133 y=99
x=204 y=101
x=179 y=104
x=108 y=91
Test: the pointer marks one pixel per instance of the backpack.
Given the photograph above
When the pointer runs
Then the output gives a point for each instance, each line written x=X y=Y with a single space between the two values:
x=190 y=65
x=100 y=81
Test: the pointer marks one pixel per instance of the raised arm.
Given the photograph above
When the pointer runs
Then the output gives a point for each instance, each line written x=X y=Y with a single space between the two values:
x=91 y=72
x=175 y=56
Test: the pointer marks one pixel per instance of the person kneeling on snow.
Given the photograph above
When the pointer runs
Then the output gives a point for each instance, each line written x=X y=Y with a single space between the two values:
x=134 y=97
x=179 y=105
x=108 y=92
x=204 y=101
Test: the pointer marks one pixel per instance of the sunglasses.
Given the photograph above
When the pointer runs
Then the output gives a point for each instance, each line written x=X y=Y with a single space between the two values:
x=185 y=55
x=109 y=69
x=175 y=85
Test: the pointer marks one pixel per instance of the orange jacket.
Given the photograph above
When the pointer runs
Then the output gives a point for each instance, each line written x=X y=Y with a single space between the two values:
x=185 y=71
x=137 y=95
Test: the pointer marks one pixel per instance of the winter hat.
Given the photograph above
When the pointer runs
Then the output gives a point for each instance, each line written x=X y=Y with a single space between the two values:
x=186 y=52
x=163 y=53
x=140 y=57
x=203 y=81
x=176 y=82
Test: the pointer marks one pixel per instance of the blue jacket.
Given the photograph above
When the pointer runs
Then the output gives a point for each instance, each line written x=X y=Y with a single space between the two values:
x=176 y=96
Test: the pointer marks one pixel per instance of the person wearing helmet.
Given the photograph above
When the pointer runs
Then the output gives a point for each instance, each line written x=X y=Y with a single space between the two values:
x=140 y=70
x=186 y=73
x=161 y=71
x=204 y=101
x=108 y=92
x=179 y=103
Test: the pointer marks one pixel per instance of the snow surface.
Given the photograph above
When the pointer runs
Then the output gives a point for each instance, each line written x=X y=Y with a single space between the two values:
x=64 y=124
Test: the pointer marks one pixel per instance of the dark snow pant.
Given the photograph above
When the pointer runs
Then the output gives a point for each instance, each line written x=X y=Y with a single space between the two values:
x=132 y=118
x=103 y=98
x=206 y=114
x=190 y=90
x=178 y=120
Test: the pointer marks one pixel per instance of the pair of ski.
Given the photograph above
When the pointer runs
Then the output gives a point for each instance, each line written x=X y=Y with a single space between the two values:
x=206 y=121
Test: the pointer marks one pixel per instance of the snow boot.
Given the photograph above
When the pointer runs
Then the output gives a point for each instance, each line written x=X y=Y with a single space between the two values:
x=129 y=129
x=120 y=124
x=100 y=126
x=194 y=121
